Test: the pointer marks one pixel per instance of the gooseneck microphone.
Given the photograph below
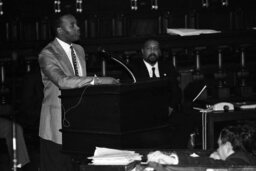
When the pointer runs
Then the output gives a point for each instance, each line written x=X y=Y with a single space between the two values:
x=106 y=54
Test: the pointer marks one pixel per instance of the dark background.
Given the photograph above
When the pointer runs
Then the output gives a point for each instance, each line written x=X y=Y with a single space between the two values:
x=25 y=28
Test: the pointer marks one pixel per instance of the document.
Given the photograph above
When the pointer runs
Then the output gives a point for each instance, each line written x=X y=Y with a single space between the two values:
x=107 y=156
x=248 y=106
x=190 y=32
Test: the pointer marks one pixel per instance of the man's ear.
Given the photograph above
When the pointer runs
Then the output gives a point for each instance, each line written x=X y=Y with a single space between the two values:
x=142 y=51
x=59 y=30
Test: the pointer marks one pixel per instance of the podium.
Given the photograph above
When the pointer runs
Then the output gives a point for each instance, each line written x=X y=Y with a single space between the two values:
x=115 y=116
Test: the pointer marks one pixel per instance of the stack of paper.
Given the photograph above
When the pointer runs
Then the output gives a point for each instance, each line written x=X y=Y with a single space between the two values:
x=249 y=106
x=107 y=156
x=190 y=32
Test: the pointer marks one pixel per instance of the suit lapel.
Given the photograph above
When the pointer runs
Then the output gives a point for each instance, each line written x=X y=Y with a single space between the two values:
x=145 y=73
x=62 y=57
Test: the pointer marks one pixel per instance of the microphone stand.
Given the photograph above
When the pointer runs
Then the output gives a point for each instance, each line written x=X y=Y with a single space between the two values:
x=130 y=72
x=104 y=54
x=103 y=67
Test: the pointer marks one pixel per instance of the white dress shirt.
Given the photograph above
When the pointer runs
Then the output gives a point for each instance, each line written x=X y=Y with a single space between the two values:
x=149 y=67
x=67 y=49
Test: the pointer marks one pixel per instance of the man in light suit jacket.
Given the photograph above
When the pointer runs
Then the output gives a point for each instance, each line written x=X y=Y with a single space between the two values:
x=62 y=67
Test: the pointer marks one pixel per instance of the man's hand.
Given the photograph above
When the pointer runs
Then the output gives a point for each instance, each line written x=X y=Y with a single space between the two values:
x=215 y=155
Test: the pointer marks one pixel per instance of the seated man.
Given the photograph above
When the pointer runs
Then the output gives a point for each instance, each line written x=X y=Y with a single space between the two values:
x=232 y=148
x=234 y=142
x=6 y=132
x=150 y=66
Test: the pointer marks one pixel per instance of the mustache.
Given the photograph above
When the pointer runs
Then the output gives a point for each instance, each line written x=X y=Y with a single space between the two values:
x=152 y=55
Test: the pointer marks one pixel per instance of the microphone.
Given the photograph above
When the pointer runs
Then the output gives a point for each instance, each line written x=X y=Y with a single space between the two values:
x=105 y=54
x=102 y=53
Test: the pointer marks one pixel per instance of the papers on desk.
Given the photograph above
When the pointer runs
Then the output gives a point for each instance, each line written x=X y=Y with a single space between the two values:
x=107 y=156
x=249 y=106
x=160 y=157
x=190 y=32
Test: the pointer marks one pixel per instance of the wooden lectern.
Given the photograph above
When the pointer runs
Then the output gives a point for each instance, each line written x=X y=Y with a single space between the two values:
x=115 y=116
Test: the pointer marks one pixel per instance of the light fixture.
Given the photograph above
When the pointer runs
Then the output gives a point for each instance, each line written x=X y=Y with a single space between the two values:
x=205 y=3
x=154 y=4
x=57 y=6
x=134 y=5
x=79 y=8
x=1 y=7
x=224 y=3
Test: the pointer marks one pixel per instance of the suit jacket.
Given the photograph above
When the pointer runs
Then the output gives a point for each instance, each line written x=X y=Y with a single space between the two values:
x=166 y=69
x=57 y=73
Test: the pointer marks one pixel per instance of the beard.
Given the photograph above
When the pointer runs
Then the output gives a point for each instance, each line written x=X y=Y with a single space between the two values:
x=152 y=58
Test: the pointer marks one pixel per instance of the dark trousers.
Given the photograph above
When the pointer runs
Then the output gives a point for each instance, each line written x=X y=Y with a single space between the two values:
x=52 y=159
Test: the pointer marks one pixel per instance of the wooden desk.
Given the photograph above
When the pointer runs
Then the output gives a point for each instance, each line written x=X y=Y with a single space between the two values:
x=173 y=168
x=209 y=120
x=190 y=166
x=115 y=116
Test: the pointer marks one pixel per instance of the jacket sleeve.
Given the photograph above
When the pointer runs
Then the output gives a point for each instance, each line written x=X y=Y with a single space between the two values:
x=55 y=72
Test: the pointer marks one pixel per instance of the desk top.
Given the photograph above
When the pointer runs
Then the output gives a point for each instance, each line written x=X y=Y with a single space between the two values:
x=190 y=166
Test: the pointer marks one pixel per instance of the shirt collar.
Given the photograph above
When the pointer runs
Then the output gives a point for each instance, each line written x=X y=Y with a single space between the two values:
x=151 y=66
x=63 y=44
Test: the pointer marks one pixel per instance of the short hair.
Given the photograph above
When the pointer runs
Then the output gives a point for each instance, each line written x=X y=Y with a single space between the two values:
x=58 y=20
x=149 y=40
x=248 y=136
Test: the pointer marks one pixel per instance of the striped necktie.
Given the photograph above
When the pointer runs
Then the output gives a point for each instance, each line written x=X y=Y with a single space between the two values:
x=73 y=55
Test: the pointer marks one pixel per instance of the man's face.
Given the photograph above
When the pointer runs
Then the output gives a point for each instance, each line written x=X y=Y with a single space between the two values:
x=69 y=30
x=151 y=51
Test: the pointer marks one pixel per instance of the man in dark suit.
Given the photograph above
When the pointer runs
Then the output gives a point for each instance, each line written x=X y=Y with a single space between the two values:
x=62 y=64
x=150 y=66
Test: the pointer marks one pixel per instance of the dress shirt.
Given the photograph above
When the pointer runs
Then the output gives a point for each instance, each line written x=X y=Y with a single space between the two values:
x=149 y=67
x=67 y=49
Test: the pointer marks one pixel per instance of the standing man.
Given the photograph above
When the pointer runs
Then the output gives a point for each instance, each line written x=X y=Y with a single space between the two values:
x=63 y=66
x=149 y=66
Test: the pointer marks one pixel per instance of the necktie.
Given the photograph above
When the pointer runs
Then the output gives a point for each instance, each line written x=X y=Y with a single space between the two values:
x=153 y=72
x=73 y=55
